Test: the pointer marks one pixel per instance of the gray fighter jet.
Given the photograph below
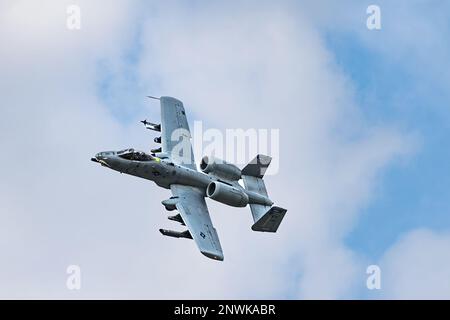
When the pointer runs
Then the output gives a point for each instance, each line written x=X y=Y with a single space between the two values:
x=172 y=167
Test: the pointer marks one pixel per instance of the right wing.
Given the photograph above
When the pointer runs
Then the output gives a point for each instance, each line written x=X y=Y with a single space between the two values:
x=175 y=134
x=194 y=212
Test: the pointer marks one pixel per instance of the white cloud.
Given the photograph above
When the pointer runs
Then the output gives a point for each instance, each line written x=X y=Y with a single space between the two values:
x=413 y=39
x=417 y=266
x=264 y=67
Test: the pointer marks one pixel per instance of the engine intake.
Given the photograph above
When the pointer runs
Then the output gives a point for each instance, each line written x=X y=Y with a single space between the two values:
x=226 y=194
x=220 y=168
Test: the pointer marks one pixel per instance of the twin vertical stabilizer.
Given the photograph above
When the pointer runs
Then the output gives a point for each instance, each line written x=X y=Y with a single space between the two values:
x=266 y=218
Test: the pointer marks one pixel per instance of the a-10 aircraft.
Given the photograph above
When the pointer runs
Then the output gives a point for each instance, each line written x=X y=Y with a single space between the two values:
x=172 y=166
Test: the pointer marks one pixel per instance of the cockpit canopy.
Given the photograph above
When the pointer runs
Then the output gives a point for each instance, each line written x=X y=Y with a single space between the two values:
x=131 y=154
x=105 y=154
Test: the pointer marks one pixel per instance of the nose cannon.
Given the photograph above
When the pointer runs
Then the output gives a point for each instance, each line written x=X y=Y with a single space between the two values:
x=101 y=158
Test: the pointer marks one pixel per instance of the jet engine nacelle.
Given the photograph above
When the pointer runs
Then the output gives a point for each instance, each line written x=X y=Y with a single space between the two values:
x=220 y=168
x=227 y=194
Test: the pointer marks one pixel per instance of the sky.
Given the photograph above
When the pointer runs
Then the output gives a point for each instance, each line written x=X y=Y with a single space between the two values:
x=362 y=166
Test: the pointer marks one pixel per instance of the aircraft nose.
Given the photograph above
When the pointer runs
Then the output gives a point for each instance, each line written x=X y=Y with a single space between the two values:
x=97 y=157
x=94 y=159
x=101 y=158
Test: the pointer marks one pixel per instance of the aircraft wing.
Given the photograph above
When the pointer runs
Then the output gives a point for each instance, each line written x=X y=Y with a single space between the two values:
x=175 y=134
x=193 y=210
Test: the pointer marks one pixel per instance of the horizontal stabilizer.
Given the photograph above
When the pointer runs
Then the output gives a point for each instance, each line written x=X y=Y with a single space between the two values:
x=176 y=234
x=270 y=221
x=256 y=185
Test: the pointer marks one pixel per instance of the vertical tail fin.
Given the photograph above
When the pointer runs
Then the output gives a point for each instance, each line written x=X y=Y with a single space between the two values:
x=266 y=218
x=257 y=167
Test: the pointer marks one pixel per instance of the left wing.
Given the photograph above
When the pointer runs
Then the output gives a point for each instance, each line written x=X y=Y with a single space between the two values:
x=194 y=212
x=175 y=133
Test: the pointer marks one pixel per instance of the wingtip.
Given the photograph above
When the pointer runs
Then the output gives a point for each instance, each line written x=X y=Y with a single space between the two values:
x=214 y=256
x=152 y=97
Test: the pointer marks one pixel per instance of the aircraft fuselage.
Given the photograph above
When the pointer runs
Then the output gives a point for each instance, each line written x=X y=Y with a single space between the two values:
x=163 y=173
